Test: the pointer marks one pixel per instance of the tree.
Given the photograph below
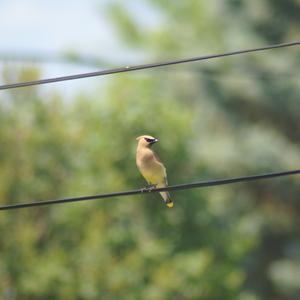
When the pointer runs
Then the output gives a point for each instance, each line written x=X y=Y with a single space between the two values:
x=235 y=242
x=247 y=116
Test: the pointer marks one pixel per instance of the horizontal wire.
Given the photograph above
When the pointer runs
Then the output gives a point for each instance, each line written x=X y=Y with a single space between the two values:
x=178 y=187
x=141 y=67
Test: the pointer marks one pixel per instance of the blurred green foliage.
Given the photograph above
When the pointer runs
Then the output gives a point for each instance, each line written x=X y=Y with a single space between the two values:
x=229 y=117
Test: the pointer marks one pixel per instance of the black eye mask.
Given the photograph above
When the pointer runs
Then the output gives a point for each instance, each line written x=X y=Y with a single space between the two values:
x=150 y=141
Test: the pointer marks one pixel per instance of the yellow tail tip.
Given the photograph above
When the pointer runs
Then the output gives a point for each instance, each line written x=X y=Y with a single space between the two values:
x=170 y=204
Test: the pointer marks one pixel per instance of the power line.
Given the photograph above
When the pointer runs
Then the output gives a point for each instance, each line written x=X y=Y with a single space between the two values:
x=178 y=187
x=142 y=66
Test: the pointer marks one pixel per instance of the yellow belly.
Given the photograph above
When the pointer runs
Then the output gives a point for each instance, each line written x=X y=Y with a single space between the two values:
x=154 y=176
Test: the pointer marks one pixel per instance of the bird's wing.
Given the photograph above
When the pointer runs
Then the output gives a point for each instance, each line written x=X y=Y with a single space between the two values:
x=166 y=180
x=157 y=159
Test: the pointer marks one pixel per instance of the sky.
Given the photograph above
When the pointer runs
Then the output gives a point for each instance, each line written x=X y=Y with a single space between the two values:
x=33 y=27
x=51 y=28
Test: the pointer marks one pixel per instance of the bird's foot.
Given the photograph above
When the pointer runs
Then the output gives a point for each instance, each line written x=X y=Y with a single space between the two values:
x=148 y=188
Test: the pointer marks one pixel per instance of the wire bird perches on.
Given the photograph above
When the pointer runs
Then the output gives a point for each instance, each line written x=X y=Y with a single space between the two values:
x=142 y=67
x=178 y=187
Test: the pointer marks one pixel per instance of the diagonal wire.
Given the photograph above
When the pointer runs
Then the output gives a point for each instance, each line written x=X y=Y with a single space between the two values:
x=143 y=66
x=199 y=184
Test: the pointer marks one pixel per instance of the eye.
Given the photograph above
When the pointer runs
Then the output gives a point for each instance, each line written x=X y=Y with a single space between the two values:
x=148 y=140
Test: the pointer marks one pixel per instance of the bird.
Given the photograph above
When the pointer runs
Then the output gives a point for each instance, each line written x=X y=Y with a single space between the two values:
x=151 y=167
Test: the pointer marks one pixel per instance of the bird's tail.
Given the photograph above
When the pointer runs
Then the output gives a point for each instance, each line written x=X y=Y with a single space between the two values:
x=167 y=199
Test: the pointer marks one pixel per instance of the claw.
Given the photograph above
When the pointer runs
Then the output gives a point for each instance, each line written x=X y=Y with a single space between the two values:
x=148 y=188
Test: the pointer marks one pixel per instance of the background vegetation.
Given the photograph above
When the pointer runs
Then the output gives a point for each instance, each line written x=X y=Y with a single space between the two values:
x=230 y=117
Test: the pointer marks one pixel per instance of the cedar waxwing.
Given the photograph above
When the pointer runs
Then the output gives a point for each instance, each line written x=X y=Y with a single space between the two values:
x=151 y=167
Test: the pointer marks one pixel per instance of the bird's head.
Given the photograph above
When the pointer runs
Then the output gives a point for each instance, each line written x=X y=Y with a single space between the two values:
x=146 y=140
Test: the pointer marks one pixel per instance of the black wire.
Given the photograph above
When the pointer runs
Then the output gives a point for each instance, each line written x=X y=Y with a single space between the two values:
x=141 y=67
x=178 y=187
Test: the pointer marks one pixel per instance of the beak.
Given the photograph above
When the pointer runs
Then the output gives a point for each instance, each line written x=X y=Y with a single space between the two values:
x=154 y=141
